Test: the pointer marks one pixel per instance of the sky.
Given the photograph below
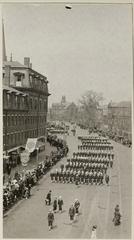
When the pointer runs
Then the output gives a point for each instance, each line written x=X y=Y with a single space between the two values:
x=86 y=48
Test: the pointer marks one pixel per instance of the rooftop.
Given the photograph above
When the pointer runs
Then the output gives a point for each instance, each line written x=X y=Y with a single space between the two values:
x=120 y=104
x=10 y=89
x=14 y=64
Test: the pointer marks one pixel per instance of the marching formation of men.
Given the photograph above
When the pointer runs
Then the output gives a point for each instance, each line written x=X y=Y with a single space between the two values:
x=88 y=165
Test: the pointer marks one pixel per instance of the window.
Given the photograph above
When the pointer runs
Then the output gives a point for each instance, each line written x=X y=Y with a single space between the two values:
x=45 y=104
x=12 y=120
x=31 y=80
x=19 y=120
x=18 y=101
x=4 y=139
x=16 y=120
x=40 y=104
x=35 y=104
x=18 y=137
x=15 y=101
x=25 y=120
x=22 y=101
x=13 y=139
x=31 y=103
x=8 y=121
x=4 y=120
x=8 y=98
x=19 y=78
x=22 y=120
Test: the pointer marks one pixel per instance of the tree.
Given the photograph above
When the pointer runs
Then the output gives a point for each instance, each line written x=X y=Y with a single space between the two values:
x=90 y=102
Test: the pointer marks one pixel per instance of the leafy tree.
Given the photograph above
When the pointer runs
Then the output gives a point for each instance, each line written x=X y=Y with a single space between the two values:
x=90 y=102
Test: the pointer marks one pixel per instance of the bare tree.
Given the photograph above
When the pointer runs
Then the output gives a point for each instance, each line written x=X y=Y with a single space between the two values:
x=90 y=102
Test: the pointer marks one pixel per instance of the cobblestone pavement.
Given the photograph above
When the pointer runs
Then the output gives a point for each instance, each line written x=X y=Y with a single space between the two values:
x=28 y=219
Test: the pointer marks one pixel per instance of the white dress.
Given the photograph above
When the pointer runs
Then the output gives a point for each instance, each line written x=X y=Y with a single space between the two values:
x=93 y=234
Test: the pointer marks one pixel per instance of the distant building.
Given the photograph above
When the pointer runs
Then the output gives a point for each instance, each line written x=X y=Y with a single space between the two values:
x=99 y=117
x=119 y=119
x=63 y=111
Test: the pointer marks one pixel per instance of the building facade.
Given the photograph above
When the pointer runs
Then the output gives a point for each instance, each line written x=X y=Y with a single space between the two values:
x=119 y=119
x=25 y=104
x=63 y=111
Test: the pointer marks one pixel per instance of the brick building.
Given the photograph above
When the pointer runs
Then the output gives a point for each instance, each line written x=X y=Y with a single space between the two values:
x=119 y=119
x=63 y=111
x=25 y=101
x=25 y=105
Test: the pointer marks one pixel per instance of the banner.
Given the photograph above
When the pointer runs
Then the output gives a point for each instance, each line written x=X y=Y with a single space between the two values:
x=31 y=144
x=24 y=156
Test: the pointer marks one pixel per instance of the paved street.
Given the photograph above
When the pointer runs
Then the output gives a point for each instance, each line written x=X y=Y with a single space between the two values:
x=28 y=219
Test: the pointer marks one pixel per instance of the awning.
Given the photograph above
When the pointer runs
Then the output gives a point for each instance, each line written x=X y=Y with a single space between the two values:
x=15 y=149
x=6 y=157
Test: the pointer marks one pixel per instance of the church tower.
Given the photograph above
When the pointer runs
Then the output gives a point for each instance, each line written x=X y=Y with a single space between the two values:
x=3 y=43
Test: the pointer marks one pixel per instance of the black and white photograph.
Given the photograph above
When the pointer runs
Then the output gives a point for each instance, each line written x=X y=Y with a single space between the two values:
x=67 y=80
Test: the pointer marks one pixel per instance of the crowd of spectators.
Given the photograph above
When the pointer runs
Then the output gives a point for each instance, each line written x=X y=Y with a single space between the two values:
x=120 y=139
x=20 y=185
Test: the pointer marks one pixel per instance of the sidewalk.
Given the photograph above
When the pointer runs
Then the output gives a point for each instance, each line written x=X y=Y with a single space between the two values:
x=33 y=161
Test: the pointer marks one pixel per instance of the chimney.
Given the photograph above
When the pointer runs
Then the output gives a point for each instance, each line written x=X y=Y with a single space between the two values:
x=7 y=75
x=27 y=61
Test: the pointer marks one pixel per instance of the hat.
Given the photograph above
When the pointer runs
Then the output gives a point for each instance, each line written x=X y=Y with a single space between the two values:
x=94 y=227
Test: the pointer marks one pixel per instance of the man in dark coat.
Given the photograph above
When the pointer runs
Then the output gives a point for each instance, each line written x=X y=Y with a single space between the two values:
x=71 y=213
x=48 y=198
x=107 y=179
x=60 y=204
x=50 y=218
x=55 y=205
x=76 y=206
